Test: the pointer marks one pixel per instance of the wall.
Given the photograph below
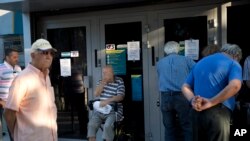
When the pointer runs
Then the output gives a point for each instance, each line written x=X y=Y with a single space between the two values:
x=11 y=23
x=6 y=23
x=11 y=33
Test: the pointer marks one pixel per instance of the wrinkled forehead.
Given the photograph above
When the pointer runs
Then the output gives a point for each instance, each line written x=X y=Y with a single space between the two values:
x=107 y=70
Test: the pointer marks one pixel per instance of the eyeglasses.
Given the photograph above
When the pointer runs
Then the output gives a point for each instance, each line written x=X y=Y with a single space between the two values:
x=47 y=52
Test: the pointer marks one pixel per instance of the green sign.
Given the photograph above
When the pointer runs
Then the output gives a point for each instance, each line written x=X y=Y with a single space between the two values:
x=117 y=59
x=65 y=54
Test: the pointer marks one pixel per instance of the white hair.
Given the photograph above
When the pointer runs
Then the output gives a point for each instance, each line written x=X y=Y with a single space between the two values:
x=171 y=47
x=232 y=49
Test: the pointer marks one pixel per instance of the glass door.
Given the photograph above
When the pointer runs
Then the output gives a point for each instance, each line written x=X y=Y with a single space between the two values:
x=126 y=35
x=130 y=70
x=179 y=30
x=71 y=96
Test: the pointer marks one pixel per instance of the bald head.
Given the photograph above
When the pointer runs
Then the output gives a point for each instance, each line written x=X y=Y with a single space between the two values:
x=108 y=74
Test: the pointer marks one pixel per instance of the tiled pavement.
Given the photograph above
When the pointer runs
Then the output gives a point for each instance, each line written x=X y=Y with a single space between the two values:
x=6 y=138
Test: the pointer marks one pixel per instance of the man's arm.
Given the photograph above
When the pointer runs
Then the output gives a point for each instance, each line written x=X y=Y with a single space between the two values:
x=99 y=89
x=187 y=92
x=10 y=117
x=195 y=101
x=230 y=90
x=2 y=103
x=117 y=98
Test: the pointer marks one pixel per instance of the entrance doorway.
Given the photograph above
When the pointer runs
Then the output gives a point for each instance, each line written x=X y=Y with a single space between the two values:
x=181 y=29
x=237 y=28
x=70 y=94
x=131 y=71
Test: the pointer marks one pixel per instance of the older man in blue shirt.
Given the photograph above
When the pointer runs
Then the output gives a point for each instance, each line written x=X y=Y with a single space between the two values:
x=210 y=88
x=172 y=71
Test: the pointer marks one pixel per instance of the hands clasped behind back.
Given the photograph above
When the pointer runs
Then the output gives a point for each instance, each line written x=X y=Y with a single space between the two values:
x=201 y=103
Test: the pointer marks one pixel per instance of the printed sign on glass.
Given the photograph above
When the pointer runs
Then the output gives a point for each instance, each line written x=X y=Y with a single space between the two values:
x=133 y=50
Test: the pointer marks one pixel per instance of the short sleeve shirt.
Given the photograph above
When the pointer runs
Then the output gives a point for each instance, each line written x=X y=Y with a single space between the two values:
x=7 y=74
x=212 y=74
x=114 y=89
x=32 y=97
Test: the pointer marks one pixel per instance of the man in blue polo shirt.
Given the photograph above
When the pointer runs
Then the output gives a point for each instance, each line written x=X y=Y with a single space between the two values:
x=172 y=71
x=210 y=88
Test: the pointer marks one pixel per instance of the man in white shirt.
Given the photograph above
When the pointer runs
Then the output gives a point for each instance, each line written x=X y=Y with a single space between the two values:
x=8 y=71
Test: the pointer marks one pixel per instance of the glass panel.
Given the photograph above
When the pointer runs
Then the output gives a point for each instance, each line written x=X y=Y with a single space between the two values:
x=181 y=29
x=70 y=94
x=118 y=35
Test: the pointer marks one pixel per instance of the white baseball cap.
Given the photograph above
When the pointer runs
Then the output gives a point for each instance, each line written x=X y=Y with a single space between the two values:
x=41 y=44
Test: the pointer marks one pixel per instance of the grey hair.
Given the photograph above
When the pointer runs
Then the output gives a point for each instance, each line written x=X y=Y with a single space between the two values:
x=233 y=50
x=171 y=47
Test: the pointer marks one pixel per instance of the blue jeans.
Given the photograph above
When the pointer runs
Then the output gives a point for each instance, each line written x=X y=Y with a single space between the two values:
x=212 y=124
x=176 y=113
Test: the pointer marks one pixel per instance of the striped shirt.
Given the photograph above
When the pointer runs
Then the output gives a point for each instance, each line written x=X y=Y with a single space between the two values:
x=7 y=74
x=114 y=89
x=246 y=70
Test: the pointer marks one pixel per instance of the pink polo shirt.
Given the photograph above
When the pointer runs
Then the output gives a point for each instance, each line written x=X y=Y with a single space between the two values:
x=32 y=97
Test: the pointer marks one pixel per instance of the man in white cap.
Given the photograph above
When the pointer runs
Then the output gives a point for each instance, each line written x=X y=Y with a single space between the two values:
x=30 y=110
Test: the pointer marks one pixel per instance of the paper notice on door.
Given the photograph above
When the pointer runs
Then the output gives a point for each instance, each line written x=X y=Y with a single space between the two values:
x=192 y=49
x=133 y=50
x=65 y=67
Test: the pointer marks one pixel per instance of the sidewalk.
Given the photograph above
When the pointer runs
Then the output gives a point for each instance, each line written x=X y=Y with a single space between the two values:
x=6 y=138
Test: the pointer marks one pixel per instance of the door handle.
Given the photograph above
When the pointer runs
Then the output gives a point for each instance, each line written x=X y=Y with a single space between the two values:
x=96 y=63
x=158 y=103
x=153 y=55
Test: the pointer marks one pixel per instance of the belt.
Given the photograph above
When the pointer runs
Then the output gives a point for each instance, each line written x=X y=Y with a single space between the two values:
x=171 y=93
x=222 y=106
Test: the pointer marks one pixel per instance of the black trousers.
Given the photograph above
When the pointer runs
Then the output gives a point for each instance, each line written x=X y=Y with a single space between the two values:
x=212 y=124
